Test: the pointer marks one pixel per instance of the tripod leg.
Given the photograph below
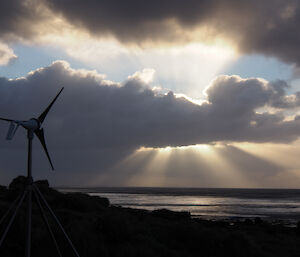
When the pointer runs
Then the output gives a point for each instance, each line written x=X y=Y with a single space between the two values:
x=46 y=222
x=10 y=208
x=12 y=218
x=56 y=219
x=28 y=223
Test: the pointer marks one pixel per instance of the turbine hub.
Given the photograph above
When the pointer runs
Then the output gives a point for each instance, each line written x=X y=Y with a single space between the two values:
x=32 y=124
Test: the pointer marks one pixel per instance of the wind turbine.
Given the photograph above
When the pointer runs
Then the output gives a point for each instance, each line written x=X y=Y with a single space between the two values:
x=33 y=127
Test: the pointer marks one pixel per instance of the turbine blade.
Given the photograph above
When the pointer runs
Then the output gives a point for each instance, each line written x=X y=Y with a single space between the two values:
x=44 y=114
x=5 y=119
x=11 y=130
x=40 y=134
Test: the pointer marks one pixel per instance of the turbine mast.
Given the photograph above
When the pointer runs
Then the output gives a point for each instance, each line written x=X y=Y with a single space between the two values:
x=30 y=136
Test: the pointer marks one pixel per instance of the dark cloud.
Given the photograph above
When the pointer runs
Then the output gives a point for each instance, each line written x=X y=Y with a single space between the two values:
x=18 y=18
x=96 y=123
x=267 y=27
x=251 y=93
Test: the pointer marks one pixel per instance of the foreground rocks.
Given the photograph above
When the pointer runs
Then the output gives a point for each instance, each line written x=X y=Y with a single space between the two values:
x=98 y=229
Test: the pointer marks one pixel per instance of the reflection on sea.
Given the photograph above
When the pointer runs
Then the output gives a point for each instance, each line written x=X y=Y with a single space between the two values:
x=281 y=205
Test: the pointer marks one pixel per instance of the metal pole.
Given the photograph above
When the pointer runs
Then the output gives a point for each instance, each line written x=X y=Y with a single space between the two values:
x=29 y=194
x=29 y=160
x=46 y=222
x=55 y=218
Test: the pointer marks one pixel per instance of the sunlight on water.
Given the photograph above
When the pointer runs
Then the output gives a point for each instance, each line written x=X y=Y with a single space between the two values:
x=217 y=207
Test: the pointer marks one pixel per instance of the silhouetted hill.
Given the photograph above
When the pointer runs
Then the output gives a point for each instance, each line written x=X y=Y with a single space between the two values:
x=98 y=229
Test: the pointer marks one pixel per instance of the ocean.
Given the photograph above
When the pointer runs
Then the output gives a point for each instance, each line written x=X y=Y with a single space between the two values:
x=274 y=205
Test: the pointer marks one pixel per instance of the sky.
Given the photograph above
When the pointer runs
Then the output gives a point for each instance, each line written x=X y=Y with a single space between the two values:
x=156 y=93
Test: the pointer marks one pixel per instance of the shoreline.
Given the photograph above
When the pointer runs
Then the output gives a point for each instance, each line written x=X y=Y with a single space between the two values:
x=98 y=228
x=232 y=205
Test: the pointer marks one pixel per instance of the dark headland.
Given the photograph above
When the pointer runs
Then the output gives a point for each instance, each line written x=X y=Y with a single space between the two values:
x=99 y=229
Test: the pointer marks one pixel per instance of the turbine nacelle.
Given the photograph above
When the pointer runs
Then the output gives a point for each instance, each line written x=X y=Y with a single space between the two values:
x=32 y=124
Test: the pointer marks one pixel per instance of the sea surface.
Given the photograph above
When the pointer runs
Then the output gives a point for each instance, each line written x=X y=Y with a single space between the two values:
x=275 y=205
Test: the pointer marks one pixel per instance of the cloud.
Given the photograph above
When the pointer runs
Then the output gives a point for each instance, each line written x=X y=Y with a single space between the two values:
x=96 y=122
x=145 y=76
x=6 y=54
x=250 y=93
x=265 y=27
x=18 y=19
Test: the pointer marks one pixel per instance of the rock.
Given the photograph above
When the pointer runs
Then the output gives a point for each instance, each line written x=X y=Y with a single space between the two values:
x=18 y=183
x=42 y=183
x=3 y=189
x=174 y=215
x=258 y=221
x=248 y=222
x=298 y=228
x=82 y=202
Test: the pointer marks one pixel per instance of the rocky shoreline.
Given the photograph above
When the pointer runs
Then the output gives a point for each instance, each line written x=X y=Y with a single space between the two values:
x=99 y=229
